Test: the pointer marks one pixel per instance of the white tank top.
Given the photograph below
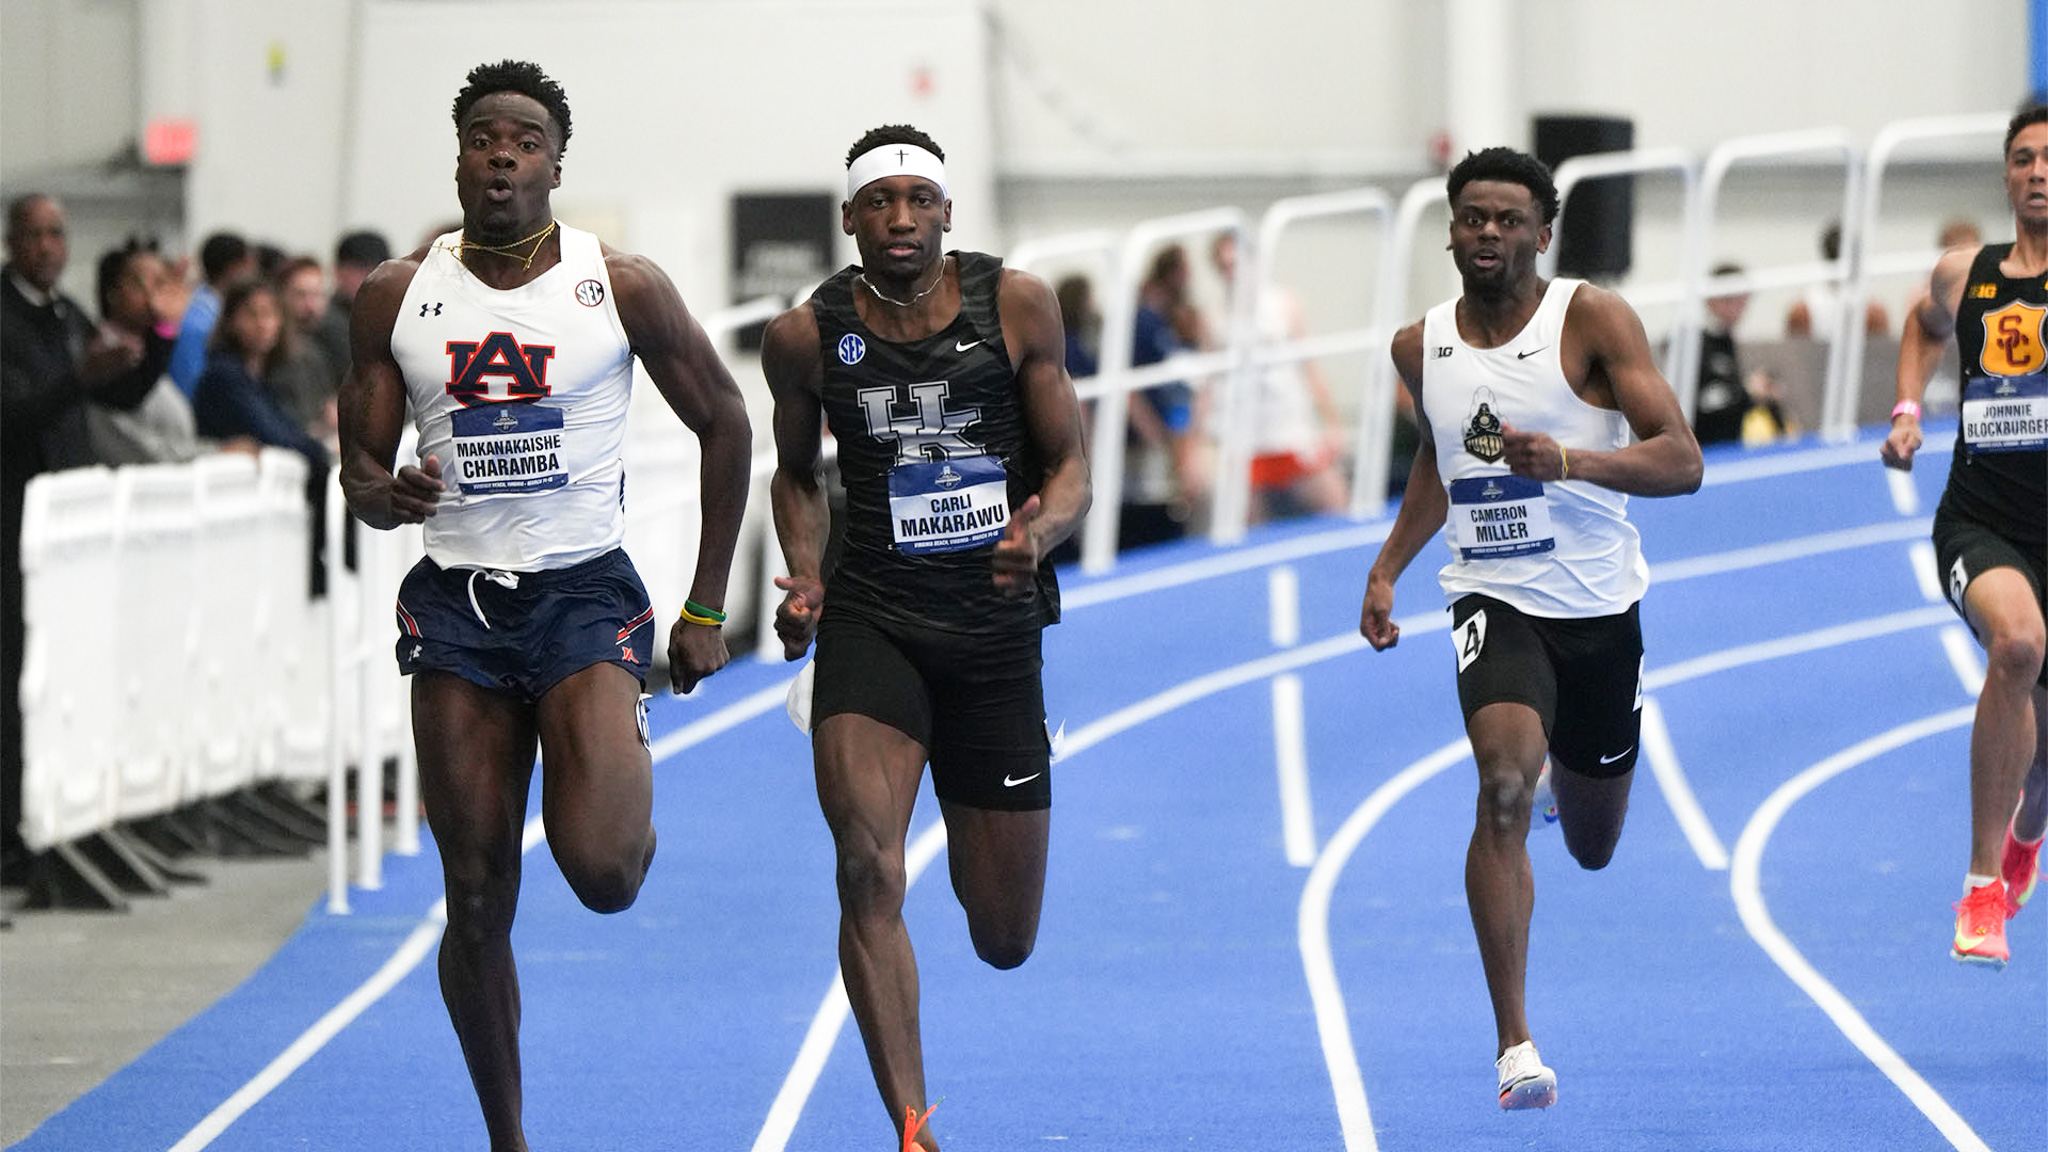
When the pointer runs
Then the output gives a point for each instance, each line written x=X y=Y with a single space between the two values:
x=1564 y=549
x=522 y=394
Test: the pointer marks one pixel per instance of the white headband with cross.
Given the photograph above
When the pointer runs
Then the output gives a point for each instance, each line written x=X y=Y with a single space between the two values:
x=894 y=160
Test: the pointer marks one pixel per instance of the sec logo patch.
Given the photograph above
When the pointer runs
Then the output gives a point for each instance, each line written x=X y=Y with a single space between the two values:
x=590 y=293
x=851 y=349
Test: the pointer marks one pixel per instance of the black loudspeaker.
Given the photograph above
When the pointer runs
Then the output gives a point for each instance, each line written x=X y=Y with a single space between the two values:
x=1599 y=219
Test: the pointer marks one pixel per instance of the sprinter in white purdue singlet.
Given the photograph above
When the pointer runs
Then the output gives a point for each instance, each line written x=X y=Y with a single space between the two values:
x=526 y=625
x=1541 y=413
x=1991 y=530
x=943 y=377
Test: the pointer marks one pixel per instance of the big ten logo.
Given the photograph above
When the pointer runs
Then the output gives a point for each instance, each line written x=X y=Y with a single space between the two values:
x=523 y=369
x=2012 y=340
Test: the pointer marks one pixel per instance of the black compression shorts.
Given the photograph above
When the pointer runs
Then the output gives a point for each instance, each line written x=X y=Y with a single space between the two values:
x=975 y=701
x=1965 y=549
x=1583 y=677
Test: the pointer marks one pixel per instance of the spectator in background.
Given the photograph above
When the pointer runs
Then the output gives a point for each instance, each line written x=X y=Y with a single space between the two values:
x=223 y=259
x=1166 y=470
x=356 y=255
x=250 y=343
x=1960 y=233
x=1813 y=317
x=142 y=298
x=1083 y=322
x=1730 y=405
x=52 y=360
x=1294 y=422
x=305 y=385
x=270 y=261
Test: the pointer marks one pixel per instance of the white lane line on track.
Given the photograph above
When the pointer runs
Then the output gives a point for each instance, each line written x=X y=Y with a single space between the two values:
x=1961 y=648
x=1102 y=592
x=1312 y=936
x=1797 y=548
x=1678 y=794
x=1744 y=882
x=830 y=1019
x=1922 y=555
x=1283 y=605
x=421 y=942
x=1905 y=497
x=1330 y=1013
x=1290 y=757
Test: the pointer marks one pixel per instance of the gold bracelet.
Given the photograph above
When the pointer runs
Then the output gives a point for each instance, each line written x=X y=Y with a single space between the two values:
x=1564 y=463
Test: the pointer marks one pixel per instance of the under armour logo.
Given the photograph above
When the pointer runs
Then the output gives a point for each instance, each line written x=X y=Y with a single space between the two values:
x=436 y=306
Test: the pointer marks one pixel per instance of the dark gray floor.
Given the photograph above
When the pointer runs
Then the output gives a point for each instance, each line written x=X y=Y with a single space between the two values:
x=83 y=993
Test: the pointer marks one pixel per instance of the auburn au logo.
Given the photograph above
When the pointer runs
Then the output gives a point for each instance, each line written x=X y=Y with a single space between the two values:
x=2012 y=340
x=522 y=367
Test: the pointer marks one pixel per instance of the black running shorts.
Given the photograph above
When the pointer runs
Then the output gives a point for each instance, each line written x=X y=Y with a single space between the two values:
x=1965 y=549
x=1583 y=677
x=975 y=701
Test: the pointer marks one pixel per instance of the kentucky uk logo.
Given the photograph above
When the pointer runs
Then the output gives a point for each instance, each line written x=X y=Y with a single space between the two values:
x=522 y=367
x=2012 y=340
x=928 y=433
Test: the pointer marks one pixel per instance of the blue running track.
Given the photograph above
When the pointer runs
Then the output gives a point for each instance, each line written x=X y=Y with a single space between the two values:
x=1255 y=933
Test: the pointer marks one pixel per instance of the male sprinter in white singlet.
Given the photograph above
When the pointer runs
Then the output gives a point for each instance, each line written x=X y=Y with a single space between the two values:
x=1528 y=395
x=1991 y=530
x=943 y=377
x=526 y=624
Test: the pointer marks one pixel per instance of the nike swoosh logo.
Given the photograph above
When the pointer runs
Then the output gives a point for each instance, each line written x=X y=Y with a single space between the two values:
x=959 y=347
x=1617 y=755
x=1009 y=783
x=1525 y=356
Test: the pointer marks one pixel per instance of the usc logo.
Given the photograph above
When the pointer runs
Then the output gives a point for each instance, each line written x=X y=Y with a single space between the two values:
x=2012 y=340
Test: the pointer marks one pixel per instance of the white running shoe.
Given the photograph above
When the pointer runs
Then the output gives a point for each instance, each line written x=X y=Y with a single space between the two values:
x=1524 y=1081
x=1544 y=803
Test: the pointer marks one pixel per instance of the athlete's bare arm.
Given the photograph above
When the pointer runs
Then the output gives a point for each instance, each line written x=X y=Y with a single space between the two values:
x=684 y=367
x=1607 y=360
x=1929 y=323
x=1423 y=507
x=796 y=379
x=371 y=407
x=1052 y=418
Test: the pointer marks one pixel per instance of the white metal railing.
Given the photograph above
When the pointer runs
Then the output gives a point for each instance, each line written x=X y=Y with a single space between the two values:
x=1838 y=413
x=1261 y=264
x=147 y=527
x=1117 y=380
x=1691 y=257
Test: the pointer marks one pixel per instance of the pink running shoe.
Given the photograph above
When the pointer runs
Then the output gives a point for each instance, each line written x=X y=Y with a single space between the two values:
x=1980 y=926
x=2019 y=865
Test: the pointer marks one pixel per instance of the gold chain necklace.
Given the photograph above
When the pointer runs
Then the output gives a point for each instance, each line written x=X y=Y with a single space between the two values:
x=929 y=289
x=510 y=250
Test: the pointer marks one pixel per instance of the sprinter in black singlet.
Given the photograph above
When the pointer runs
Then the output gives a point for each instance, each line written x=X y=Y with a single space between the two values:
x=1991 y=530
x=943 y=379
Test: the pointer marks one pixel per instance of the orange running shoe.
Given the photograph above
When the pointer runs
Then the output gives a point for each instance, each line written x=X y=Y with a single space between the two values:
x=913 y=1122
x=2019 y=866
x=1980 y=926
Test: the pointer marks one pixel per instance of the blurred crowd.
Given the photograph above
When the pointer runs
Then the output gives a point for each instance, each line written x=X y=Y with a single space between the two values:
x=171 y=361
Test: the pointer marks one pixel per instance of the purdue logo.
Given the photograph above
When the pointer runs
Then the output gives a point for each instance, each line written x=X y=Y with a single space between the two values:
x=523 y=368
x=1482 y=430
x=2012 y=340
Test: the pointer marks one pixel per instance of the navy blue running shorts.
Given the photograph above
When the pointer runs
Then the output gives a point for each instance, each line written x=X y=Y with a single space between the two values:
x=975 y=701
x=1584 y=677
x=523 y=633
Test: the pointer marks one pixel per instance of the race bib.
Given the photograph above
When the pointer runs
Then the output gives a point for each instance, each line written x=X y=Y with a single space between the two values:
x=1496 y=516
x=2005 y=413
x=948 y=506
x=513 y=447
